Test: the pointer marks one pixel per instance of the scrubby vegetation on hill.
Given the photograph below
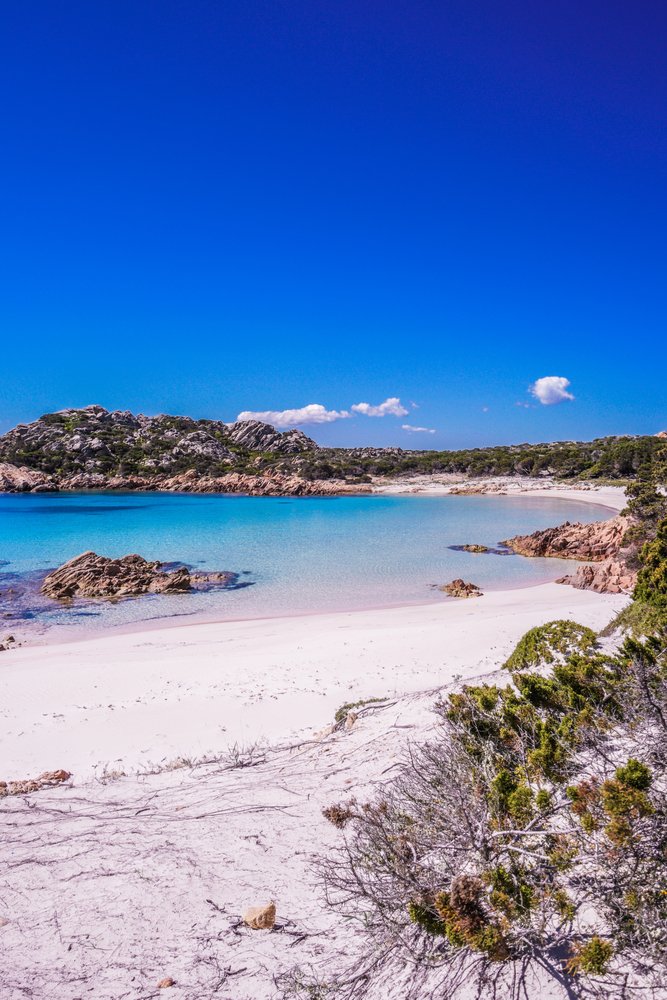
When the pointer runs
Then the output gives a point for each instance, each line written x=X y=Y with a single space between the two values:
x=94 y=440
x=615 y=458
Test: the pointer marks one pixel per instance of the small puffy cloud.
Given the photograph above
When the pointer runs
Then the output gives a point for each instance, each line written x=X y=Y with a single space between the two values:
x=391 y=407
x=551 y=389
x=313 y=413
x=485 y=409
x=417 y=430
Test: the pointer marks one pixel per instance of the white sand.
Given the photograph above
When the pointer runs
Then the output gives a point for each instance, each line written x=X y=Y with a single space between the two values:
x=612 y=497
x=132 y=700
x=107 y=888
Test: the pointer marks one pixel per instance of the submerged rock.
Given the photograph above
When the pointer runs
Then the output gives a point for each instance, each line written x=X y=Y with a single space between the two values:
x=461 y=588
x=91 y=575
x=479 y=549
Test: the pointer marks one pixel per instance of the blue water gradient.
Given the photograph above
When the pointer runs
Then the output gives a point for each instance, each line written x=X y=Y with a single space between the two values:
x=299 y=554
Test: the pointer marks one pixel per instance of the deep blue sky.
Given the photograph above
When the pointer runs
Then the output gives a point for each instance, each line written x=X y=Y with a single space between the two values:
x=210 y=207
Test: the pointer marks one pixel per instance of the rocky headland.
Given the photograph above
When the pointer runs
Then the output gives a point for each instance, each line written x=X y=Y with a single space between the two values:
x=90 y=575
x=600 y=542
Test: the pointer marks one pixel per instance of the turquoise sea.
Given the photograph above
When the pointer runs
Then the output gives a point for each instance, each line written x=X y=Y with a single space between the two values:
x=294 y=555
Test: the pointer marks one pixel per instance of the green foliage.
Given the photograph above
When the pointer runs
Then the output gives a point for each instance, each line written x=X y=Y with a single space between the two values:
x=638 y=619
x=545 y=643
x=651 y=586
x=131 y=449
x=426 y=919
x=511 y=892
x=634 y=774
x=593 y=957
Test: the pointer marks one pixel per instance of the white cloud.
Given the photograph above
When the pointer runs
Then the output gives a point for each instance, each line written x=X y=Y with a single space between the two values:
x=313 y=413
x=391 y=407
x=418 y=430
x=551 y=389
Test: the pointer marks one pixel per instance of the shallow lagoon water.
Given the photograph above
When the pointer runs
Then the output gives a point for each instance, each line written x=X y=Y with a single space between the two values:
x=296 y=555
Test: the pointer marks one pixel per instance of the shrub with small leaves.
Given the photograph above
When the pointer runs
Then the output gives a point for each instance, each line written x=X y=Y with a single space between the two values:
x=593 y=957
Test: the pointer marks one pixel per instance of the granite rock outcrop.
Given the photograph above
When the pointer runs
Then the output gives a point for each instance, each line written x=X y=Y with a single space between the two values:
x=587 y=542
x=600 y=543
x=99 y=441
x=91 y=576
x=19 y=479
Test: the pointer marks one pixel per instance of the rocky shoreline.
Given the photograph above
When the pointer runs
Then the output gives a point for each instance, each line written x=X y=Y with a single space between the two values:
x=600 y=543
x=19 y=479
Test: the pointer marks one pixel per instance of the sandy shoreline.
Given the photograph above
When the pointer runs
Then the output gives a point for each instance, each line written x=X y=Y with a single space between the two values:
x=141 y=697
x=133 y=701
x=611 y=497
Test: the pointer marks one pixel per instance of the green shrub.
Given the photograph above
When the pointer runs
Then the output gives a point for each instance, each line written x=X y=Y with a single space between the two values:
x=548 y=643
x=651 y=586
x=593 y=957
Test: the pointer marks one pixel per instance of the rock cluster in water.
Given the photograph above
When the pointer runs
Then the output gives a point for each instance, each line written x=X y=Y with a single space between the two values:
x=477 y=549
x=91 y=575
x=461 y=588
x=272 y=483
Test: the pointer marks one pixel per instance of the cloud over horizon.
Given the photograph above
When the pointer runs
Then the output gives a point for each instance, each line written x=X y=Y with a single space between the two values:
x=313 y=413
x=391 y=407
x=316 y=413
x=417 y=430
x=551 y=389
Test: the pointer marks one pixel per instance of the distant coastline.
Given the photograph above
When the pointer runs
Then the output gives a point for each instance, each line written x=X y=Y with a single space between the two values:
x=93 y=448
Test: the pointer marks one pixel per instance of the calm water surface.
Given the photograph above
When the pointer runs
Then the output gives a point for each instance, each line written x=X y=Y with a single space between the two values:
x=296 y=555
